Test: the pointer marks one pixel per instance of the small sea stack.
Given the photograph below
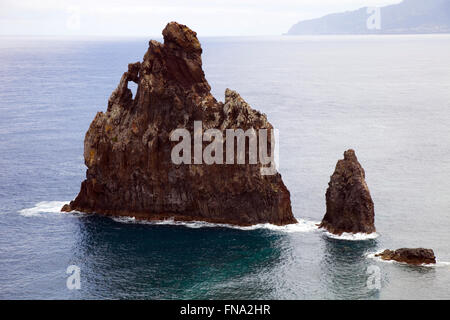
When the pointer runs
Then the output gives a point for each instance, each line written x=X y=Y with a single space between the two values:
x=415 y=256
x=349 y=204
x=129 y=150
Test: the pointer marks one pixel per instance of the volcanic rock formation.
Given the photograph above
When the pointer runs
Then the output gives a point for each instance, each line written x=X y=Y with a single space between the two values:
x=349 y=204
x=127 y=149
x=411 y=256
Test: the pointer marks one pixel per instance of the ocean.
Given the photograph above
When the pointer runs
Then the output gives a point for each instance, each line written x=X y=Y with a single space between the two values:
x=387 y=97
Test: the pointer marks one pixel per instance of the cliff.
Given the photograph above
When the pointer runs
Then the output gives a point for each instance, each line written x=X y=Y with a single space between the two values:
x=128 y=150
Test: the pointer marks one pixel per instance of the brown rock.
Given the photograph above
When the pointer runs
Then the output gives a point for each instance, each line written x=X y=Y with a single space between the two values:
x=66 y=208
x=349 y=204
x=128 y=152
x=411 y=256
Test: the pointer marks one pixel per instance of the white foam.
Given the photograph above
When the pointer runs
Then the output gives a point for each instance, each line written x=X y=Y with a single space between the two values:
x=124 y=219
x=43 y=208
x=52 y=207
x=301 y=226
x=353 y=236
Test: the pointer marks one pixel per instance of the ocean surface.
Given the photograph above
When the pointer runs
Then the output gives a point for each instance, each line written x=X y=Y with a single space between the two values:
x=387 y=97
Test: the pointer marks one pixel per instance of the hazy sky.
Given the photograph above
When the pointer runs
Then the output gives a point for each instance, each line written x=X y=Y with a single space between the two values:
x=148 y=18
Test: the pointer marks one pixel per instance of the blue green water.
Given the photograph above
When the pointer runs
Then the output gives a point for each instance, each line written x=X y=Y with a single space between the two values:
x=388 y=97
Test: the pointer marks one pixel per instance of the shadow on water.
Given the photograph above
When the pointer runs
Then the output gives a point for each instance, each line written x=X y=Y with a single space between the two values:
x=120 y=260
x=345 y=268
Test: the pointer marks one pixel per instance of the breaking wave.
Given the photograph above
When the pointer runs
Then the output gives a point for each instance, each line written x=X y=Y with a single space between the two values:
x=54 y=207
x=352 y=236
x=42 y=208
x=301 y=226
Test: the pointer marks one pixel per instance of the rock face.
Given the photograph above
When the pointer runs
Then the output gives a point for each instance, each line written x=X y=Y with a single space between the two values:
x=349 y=204
x=127 y=149
x=411 y=256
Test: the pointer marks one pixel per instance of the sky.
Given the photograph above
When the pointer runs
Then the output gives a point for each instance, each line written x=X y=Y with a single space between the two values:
x=135 y=18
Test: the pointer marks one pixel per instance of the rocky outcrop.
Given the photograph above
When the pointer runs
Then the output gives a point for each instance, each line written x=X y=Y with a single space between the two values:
x=349 y=204
x=127 y=149
x=415 y=256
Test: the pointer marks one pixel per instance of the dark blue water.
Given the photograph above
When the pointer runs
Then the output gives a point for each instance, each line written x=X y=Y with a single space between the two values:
x=388 y=97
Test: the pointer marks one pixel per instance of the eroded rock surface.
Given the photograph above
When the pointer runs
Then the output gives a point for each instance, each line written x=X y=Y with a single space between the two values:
x=349 y=204
x=128 y=152
x=414 y=256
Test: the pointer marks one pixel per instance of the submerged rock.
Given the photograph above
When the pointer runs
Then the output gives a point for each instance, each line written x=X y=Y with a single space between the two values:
x=411 y=256
x=349 y=204
x=128 y=148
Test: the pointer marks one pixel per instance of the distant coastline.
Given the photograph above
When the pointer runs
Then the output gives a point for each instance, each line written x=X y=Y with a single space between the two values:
x=407 y=17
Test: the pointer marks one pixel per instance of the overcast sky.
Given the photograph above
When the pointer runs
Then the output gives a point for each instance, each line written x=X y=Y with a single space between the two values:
x=148 y=18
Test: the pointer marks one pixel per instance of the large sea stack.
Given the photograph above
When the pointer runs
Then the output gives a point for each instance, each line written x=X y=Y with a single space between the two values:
x=127 y=149
x=349 y=204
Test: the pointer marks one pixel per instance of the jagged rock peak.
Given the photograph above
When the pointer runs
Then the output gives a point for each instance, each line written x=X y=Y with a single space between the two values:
x=180 y=37
x=350 y=155
x=349 y=204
